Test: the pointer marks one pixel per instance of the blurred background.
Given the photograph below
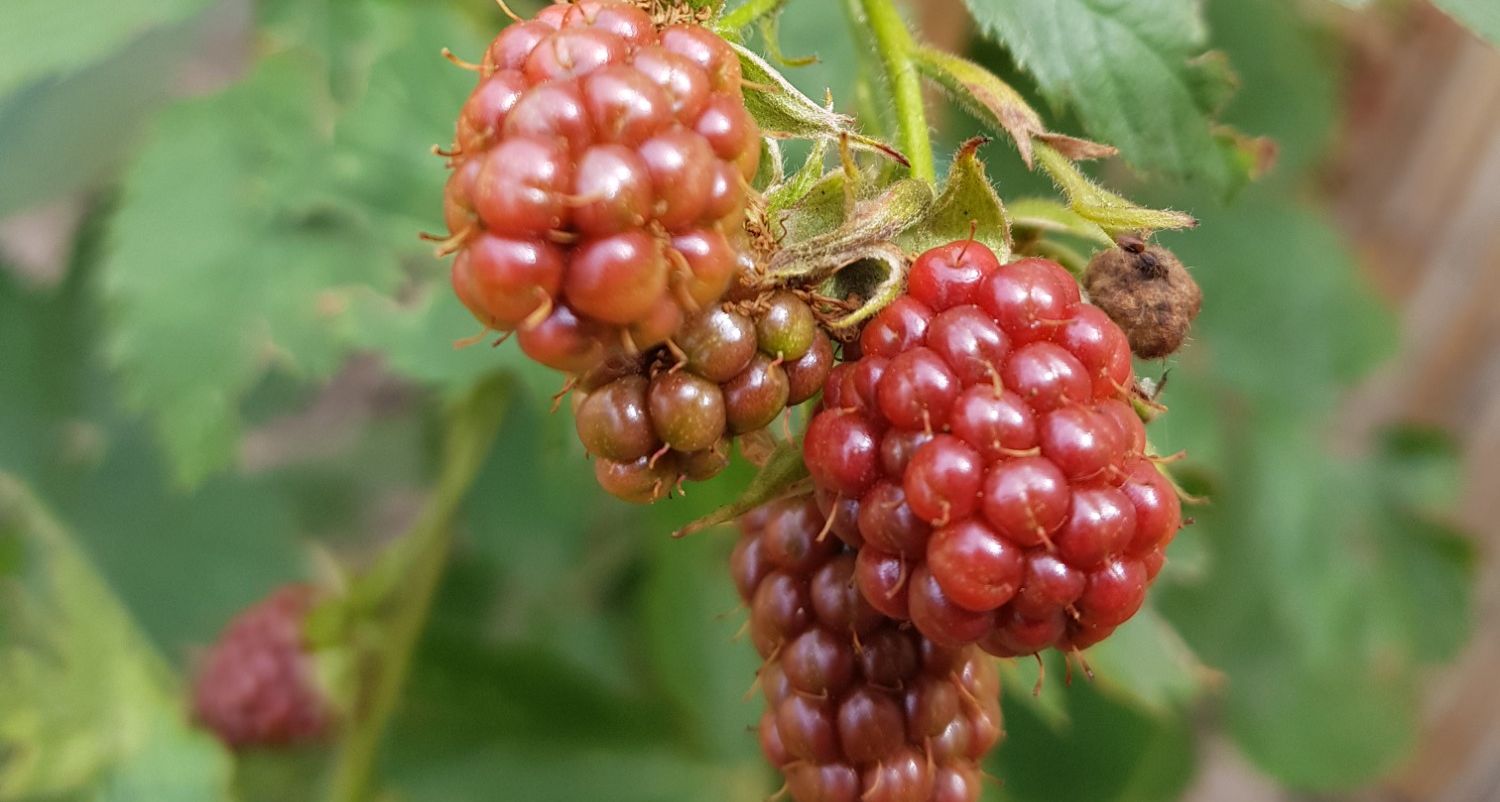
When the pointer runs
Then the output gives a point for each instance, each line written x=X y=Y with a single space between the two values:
x=225 y=356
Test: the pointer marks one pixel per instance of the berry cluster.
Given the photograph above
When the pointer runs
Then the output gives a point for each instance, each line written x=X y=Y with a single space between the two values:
x=256 y=686
x=860 y=707
x=599 y=181
x=731 y=370
x=984 y=458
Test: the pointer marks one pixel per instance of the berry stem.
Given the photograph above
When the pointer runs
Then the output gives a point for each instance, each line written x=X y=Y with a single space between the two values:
x=411 y=569
x=744 y=15
x=895 y=45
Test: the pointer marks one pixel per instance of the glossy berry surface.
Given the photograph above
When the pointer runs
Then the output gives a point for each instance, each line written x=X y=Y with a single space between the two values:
x=859 y=705
x=256 y=686
x=669 y=416
x=986 y=451
x=598 y=188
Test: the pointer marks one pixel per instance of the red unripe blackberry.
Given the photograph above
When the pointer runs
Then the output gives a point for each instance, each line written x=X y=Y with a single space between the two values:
x=601 y=163
x=985 y=447
x=257 y=685
x=668 y=416
x=860 y=706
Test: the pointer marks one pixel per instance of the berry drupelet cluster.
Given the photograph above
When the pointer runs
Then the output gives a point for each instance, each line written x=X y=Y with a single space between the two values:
x=860 y=707
x=257 y=685
x=730 y=371
x=985 y=459
x=599 y=181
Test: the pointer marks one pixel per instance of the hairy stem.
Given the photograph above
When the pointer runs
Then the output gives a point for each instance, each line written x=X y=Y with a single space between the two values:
x=747 y=13
x=413 y=567
x=895 y=45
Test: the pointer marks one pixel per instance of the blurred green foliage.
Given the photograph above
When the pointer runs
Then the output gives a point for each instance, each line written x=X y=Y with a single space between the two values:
x=244 y=245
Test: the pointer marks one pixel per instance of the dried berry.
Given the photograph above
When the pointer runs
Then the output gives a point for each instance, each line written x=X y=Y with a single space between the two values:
x=1148 y=293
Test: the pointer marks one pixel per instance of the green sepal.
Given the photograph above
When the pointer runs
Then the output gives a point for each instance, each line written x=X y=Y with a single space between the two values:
x=967 y=207
x=783 y=112
x=1092 y=202
x=784 y=474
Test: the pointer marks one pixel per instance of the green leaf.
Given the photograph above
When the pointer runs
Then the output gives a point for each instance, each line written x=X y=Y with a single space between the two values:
x=569 y=774
x=967 y=207
x=403 y=102
x=1105 y=751
x=1032 y=683
x=225 y=261
x=1346 y=585
x=691 y=616
x=1146 y=663
x=425 y=338
x=1426 y=563
x=1129 y=70
x=1482 y=16
x=820 y=209
x=1347 y=601
x=87 y=707
x=1327 y=334
x=228 y=542
x=42 y=37
x=61 y=133
x=784 y=112
x=789 y=191
x=1100 y=206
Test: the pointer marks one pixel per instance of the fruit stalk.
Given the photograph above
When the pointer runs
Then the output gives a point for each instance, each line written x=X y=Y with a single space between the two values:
x=751 y=12
x=894 y=43
x=419 y=558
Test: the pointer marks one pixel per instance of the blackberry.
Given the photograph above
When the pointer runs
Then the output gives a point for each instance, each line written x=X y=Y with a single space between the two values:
x=985 y=451
x=669 y=415
x=257 y=685
x=859 y=706
x=599 y=182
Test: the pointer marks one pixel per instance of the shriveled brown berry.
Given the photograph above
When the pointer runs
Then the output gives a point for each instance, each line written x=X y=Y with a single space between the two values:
x=1148 y=293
